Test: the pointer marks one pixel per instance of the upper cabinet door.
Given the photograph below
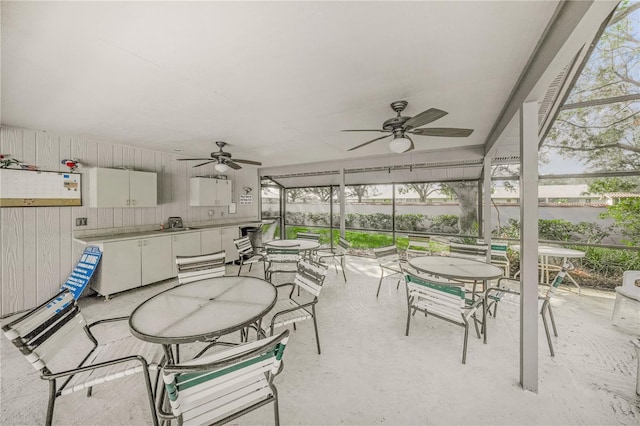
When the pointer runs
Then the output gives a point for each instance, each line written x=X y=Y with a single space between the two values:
x=224 y=192
x=202 y=192
x=108 y=187
x=143 y=189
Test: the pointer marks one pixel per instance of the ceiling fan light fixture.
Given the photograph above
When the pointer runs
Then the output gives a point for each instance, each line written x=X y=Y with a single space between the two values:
x=400 y=144
x=221 y=167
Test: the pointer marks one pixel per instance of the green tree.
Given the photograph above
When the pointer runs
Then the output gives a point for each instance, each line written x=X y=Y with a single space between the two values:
x=626 y=213
x=294 y=194
x=322 y=192
x=466 y=193
x=600 y=121
x=422 y=189
x=361 y=191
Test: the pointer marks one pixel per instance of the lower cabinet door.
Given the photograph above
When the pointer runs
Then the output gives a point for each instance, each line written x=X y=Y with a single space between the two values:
x=210 y=241
x=227 y=237
x=157 y=262
x=119 y=268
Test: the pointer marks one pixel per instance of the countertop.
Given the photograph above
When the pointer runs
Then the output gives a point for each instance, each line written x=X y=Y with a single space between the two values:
x=150 y=233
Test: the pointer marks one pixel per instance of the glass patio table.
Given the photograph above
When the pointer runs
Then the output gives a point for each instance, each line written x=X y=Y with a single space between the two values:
x=202 y=311
x=545 y=252
x=303 y=245
x=456 y=268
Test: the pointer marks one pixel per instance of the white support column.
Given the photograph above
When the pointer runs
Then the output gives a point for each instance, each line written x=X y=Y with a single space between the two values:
x=486 y=204
x=341 y=198
x=529 y=246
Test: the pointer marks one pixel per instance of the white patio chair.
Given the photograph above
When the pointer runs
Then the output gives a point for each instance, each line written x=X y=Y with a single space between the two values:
x=45 y=336
x=309 y=278
x=630 y=290
x=201 y=267
x=218 y=388
x=281 y=260
x=419 y=245
x=441 y=299
x=247 y=254
x=511 y=286
x=336 y=255
x=389 y=261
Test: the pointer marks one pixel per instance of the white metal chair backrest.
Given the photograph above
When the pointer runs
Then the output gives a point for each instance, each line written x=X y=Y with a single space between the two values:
x=567 y=266
x=244 y=246
x=225 y=384
x=310 y=276
x=447 y=301
x=469 y=251
x=419 y=245
x=631 y=284
x=48 y=329
x=308 y=236
x=387 y=255
x=196 y=268
x=343 y=246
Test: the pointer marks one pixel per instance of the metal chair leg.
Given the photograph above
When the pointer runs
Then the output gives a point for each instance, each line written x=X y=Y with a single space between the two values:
x=276 y=409
x=315 y=326
x=546 y=330
x=553 y=322
x=464 y=347
x=240 y=267
x=147 y=380
x=380 y=282
x=52 y=401
x=343 y=264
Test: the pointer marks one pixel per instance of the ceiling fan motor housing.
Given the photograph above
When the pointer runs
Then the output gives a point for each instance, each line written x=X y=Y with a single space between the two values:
x=394 y=123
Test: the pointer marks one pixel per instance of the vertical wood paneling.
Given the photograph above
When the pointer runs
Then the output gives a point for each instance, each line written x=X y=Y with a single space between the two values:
x=66 y=216
x=48 y=257
x=105 y=159
x=37 y=251
x=29 y=229
x=13 y=283
x=79 y=151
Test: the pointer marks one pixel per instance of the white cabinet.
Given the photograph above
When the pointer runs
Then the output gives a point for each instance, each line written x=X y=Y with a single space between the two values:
x=156 y=260
x=209 y=192
x=131 y=263
x=122 y=188
x=185 y=244
x=210 y=240
x=227 y=236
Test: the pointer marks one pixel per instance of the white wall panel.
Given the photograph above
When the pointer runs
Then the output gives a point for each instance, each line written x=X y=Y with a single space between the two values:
x=36 y=242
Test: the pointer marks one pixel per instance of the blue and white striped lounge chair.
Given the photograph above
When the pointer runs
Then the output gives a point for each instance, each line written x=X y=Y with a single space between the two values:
x=441 y=299
x=309 y=278
x=389 y=261
x=43 y=336
x=202 y=267
x=220 y=387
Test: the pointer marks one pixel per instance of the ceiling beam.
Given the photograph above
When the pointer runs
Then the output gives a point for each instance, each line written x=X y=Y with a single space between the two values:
x=567 y=16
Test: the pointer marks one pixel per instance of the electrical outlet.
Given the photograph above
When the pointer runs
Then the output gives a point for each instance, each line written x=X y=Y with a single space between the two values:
x=81 y=221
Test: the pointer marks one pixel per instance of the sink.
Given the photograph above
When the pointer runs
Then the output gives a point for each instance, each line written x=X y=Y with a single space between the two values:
x=175 y=229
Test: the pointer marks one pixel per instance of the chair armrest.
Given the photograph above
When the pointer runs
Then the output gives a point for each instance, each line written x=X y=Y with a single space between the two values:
x=286 y=311
x=107 y=320
x=50 y=376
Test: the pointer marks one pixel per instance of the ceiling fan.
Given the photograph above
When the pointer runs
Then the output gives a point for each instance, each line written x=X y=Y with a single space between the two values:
x=400 y=127
x=222 y=159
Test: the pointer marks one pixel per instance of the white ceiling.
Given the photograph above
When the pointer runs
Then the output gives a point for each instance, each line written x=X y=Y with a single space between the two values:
x=276 y=80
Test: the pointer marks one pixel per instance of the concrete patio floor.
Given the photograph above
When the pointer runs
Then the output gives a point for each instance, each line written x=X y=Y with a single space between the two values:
x=370 y=373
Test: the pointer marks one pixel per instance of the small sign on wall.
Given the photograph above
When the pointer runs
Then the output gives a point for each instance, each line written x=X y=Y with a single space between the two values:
x=246 y=199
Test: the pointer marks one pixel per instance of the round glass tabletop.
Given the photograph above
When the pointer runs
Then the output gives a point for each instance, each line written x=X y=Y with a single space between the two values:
x=202 y=310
